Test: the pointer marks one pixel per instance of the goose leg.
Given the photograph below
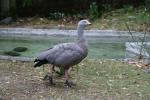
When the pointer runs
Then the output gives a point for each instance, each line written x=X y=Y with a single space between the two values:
x=67 y=83
x=49 y=76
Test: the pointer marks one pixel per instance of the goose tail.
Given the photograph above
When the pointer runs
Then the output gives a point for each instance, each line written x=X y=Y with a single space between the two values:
x=38 y=62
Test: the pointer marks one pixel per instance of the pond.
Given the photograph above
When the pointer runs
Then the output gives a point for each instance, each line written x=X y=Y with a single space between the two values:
x=98 y=47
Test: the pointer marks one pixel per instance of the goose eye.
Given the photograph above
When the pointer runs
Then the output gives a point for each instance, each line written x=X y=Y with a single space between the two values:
x=84 y=22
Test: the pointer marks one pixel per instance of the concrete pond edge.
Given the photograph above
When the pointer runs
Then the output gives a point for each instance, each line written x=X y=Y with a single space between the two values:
x=32 y=31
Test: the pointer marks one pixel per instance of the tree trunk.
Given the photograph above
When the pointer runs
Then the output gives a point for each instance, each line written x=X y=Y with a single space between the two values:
x=12 y=4
x=4 y=8
x=147 y=2
x=13 y=12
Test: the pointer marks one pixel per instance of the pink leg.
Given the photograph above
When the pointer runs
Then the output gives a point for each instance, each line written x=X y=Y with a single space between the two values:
x=67 y=83
x=66 y=75
x=51 y=75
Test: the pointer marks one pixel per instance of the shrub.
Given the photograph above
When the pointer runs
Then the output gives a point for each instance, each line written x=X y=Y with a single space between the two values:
x=94 y=13
x=56 y=15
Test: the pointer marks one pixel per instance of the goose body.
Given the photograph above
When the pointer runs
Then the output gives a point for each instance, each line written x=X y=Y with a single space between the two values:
x=66 y=55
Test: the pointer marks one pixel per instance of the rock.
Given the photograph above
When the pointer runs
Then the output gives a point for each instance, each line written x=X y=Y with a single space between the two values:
x=146 y=61
x=133 y=49
x=20 y=49
x=7 y=20
x=41 y=19
x=11 y=53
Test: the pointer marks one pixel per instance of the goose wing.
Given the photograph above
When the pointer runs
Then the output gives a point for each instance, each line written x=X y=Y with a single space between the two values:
x=69 y=56
x=63 y=54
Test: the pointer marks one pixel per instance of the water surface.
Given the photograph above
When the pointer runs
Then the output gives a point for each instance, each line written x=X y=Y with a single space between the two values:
x=98 y=47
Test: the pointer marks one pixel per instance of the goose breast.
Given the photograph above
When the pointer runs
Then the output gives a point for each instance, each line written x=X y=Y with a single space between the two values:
x=66 y=54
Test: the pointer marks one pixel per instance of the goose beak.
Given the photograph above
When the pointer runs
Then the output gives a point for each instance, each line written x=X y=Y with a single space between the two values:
x=89 y=23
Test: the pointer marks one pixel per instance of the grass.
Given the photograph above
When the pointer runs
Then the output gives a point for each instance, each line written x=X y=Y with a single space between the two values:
x=96 y=79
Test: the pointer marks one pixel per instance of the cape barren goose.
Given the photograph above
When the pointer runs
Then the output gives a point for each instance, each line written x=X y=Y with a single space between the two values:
x=66 y=55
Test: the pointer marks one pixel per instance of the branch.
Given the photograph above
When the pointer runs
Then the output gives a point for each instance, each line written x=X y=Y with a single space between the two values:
x=130 y=32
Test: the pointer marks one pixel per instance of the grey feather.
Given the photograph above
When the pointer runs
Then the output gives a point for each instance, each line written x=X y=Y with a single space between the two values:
x=67 y=54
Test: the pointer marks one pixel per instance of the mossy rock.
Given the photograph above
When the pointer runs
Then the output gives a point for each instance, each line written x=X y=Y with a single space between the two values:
x=11 y=53
x=20 y=49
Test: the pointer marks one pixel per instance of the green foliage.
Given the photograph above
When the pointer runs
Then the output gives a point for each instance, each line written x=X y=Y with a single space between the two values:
x=94 y=13
x=95 y=7
x=147 y=2
x=56 y=15
x=143 y=17
x=128 y=8
x=13 y=13
x=61 y=71
x=27 y=3
x=106 y=7
x=77 y=67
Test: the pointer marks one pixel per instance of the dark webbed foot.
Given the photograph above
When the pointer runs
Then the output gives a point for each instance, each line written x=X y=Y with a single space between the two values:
x=69 y=83
x=47 y=77
x=51 y=80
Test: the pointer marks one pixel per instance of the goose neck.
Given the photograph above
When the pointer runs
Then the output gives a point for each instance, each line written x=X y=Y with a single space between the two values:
x=80 y=31
x=81 y=38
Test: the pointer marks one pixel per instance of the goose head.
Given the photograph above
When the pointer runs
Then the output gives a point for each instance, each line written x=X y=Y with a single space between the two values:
x=83 y=23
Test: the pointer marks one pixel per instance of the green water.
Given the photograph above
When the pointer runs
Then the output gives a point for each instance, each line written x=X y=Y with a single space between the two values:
x=35 y=45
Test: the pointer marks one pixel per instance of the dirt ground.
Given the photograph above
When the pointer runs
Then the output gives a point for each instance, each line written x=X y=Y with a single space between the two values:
x=96 y=80
x=20 y=81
